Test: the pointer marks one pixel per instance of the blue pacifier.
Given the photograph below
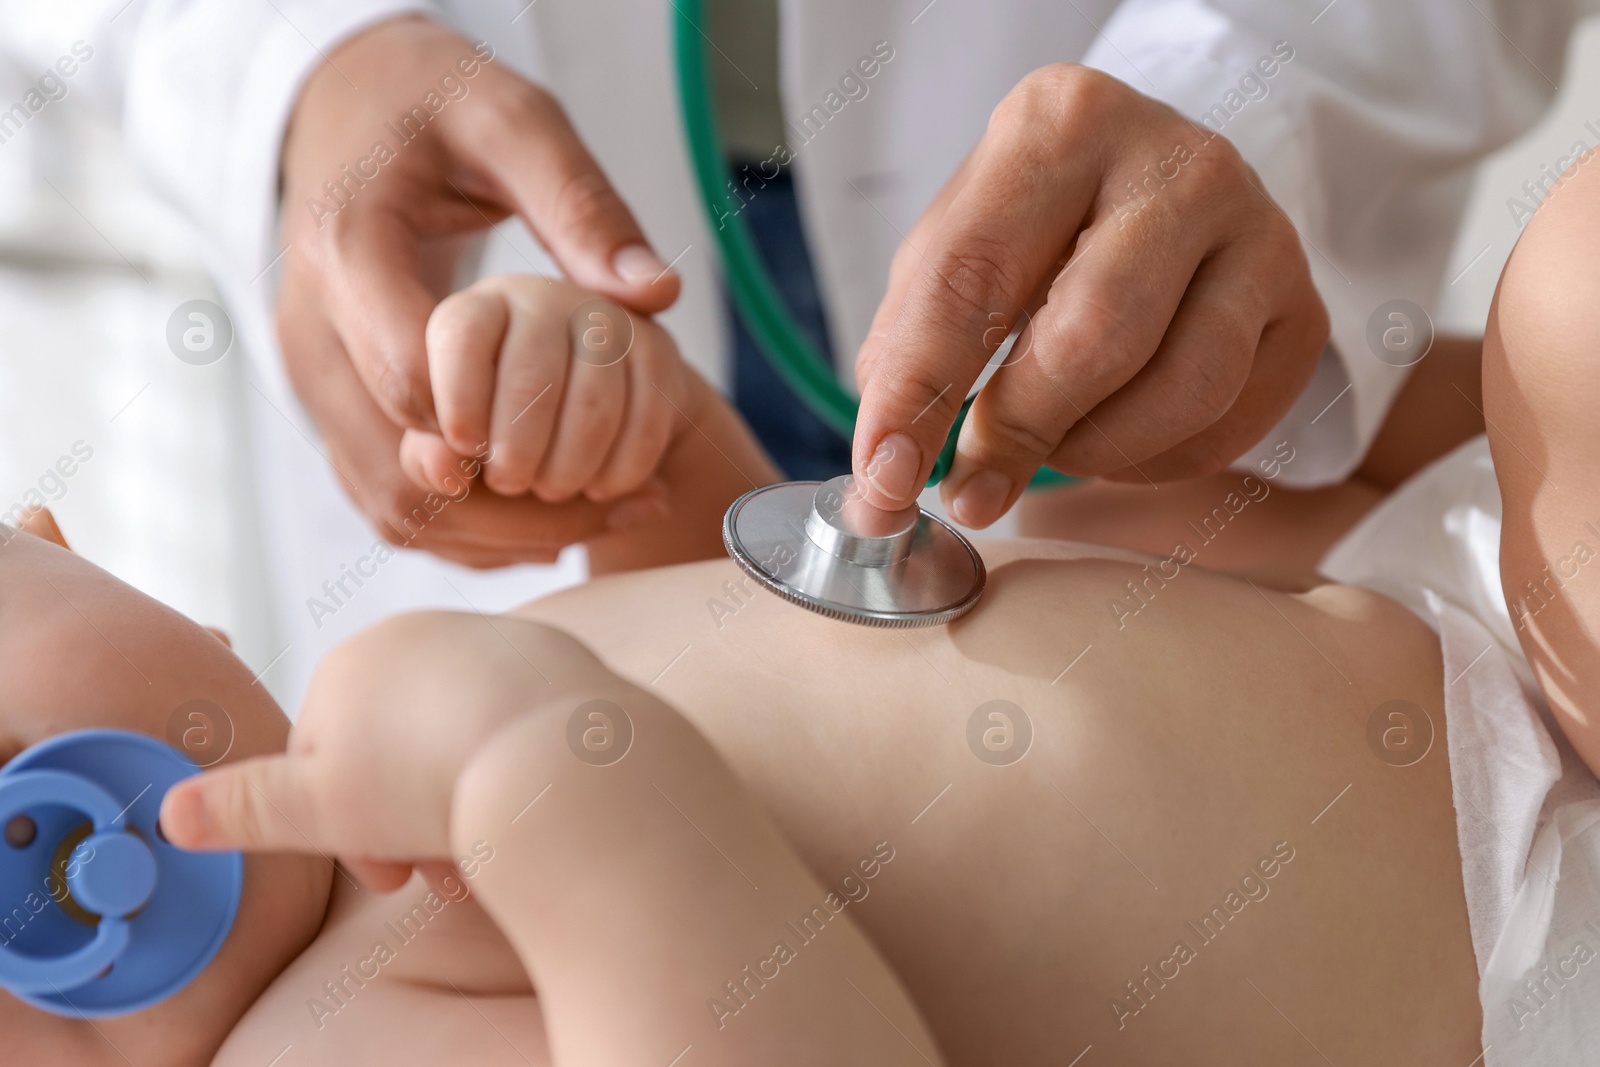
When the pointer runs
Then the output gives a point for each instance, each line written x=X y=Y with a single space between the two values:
x=99 y=915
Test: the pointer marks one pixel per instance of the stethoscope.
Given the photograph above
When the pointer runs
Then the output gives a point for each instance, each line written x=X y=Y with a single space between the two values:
x=818 y=545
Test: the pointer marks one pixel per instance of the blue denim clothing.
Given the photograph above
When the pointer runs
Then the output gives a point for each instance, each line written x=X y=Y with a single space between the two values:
x=802 y=444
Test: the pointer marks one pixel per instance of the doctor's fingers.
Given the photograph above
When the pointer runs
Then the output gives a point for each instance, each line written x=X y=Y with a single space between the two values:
x=1278 y=375
x=365 y=271
x=518 y=137
x=430 y=462
x=360 y=441
x=1032 y=181
x=465 y=522
x=461 y=519
x=1242 y=345
x=907 y=260
x=1109 y=364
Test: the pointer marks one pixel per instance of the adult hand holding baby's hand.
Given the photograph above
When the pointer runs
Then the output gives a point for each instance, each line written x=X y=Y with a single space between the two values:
x=566 y=400
x=392 y=717
x=371 y=242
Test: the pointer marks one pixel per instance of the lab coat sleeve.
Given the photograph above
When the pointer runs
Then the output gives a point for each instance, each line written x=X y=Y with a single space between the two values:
x=202 y=91
x=1364 y=134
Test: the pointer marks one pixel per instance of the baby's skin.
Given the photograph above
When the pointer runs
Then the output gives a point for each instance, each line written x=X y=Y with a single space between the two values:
x=430 y=974
x=1184 y=742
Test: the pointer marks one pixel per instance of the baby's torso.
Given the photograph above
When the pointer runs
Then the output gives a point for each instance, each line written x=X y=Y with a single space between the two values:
x=1088 y=705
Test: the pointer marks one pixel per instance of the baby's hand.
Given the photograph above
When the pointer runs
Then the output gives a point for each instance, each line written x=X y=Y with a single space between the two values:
x=391 y=717
x=571 y=393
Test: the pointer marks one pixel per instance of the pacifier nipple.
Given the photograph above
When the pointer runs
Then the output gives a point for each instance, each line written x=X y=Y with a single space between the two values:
x=116 y=878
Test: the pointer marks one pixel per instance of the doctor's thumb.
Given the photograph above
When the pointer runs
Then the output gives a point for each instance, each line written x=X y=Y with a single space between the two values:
x=529 y=148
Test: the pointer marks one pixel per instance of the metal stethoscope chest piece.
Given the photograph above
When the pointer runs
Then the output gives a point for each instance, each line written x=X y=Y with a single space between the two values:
x=822 y=546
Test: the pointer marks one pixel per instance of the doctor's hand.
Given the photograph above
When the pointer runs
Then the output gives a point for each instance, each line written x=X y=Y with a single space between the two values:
x=1167 y=313
x=407 y=140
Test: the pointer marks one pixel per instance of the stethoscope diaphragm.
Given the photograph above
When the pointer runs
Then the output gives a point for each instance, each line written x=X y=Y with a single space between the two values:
x=820 y=545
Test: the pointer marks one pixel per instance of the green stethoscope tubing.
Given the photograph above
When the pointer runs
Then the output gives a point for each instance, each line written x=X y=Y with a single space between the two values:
x=797 y=362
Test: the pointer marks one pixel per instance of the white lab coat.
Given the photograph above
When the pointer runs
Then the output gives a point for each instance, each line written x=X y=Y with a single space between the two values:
x=1365 y=139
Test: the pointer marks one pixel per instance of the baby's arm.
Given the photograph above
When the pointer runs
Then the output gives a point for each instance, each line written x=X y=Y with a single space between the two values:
x=1542 y=400
x=657 y=908
x=713 y=459
x=633 y=875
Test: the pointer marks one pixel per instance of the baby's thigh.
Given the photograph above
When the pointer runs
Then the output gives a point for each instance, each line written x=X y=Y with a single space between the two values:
x=1229 y=840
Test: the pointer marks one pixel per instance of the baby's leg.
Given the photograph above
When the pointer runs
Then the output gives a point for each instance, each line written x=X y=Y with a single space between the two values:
x=1071 y=798
x=657 y=908
x=1542 y=398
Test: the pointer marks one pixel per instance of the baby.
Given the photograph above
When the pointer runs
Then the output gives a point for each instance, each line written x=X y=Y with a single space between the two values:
x=666 y=818
x=319 y=971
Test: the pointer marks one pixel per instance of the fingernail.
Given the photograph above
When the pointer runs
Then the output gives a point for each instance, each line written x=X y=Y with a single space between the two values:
x=183 y=816
x=981 y=499
x=637 y=512
x=894 y=467
x=638 y=265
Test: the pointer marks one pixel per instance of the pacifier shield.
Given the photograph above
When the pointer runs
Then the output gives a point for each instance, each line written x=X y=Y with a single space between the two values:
x=99 y=915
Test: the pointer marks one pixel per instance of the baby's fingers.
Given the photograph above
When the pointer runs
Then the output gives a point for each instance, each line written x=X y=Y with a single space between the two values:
x=430 y=463
x=592 y=410
x=464 y=336
x=380 y=876
x=530 y=380
x=656 y=395
x=257 y=805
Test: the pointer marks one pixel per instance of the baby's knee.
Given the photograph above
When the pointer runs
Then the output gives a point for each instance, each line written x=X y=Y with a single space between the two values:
x=1545 y=324
x=453 y=649
x=577 y=781
x=1541 y=387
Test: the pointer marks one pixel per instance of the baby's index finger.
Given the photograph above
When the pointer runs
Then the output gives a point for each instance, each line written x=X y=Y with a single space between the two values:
x=256 y=805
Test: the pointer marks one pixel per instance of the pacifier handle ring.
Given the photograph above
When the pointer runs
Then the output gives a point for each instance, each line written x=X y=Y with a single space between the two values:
x=24 y=789
x=45 y=974
x=39 y=975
